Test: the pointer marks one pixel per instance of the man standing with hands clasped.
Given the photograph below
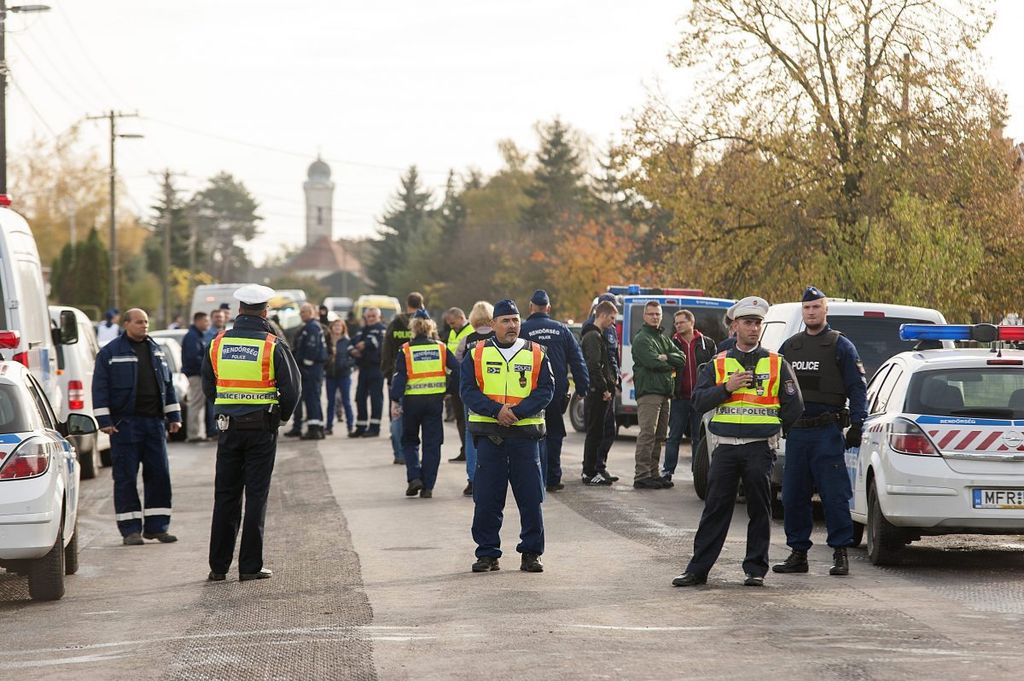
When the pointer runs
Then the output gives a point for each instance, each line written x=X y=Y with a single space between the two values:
x=830 y=372
x=754 y=394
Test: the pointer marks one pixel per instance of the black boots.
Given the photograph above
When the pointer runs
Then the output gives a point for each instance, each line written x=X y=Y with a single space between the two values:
x=840 y=563
x=531 y=563
x=313 y=433
x=486 y=564
x=797 y=562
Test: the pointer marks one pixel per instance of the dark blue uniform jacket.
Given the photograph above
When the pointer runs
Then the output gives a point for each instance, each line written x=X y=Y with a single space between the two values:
x=562 y=351
x=851 y=369
x=115 y=377
x=373 y=336
x=310 y=347
x=192 y=349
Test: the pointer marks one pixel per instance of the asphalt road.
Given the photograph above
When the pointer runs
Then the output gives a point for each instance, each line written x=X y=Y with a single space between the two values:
x=370 y=584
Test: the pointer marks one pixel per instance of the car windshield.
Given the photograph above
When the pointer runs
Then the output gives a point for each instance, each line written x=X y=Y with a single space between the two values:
x=12 y=414
x=983 y=392
x=876 y=338
x=708 y=320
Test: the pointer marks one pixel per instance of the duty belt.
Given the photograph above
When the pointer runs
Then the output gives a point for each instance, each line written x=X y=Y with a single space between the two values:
x=842 y=418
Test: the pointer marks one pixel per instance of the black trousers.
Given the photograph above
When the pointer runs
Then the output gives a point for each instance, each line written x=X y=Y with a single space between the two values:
x=609 y=435
x=595 y=413
x=751 y=463
x=460 y=420
x=245 y=462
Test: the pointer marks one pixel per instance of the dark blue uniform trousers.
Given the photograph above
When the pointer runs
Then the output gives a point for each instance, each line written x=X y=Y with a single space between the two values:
x=141 y=440
x=245 y=462
x=369 y=387
x=751 y=463
x=515 y=461
x=312 y=388
x=816 y=458
x=426 y=413
x=551 y=444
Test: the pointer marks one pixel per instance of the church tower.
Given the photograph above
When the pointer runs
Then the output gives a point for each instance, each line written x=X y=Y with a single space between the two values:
x=319 y=199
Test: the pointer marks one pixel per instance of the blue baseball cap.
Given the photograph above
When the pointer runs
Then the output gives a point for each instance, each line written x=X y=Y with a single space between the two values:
x=812 y=293
x=503 y=308
x=540 y=298
x=421 y=314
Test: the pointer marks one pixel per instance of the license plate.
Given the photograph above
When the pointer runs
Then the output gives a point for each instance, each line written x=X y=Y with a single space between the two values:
x=999 y=498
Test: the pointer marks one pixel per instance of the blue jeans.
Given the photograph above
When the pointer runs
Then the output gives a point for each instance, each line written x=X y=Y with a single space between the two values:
x=683 y=419
x=343 y=385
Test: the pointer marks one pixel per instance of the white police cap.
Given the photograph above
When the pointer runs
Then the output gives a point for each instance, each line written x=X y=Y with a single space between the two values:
x=751 y=306
x=254 y=294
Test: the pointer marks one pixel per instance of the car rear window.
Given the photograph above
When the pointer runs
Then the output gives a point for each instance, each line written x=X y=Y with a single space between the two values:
x=708 y=320
x=981 y=392
x=876 y=338
x=12 y=413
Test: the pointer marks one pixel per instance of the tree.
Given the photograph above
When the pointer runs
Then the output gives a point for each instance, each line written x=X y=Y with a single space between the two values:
x=406 y=215
x=556 y=193
x=169 y=208
x=81 y=274
x=451 y=214
x=224 y=216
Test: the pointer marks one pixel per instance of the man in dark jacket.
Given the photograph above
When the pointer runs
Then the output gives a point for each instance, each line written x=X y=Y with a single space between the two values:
x=683 y=418
x=563 y=353
x=310 y=355
x=654 y=358
x=602 y=390
x=192 y=351
x=133 y=401
x=755 y=395
x=370 y=383
x=397 y=335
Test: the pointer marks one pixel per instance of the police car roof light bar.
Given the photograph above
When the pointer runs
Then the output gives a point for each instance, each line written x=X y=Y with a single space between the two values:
x=983 y=333
x=637 y=290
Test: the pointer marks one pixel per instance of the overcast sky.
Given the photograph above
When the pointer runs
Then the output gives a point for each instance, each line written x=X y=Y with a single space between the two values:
x=257 y=88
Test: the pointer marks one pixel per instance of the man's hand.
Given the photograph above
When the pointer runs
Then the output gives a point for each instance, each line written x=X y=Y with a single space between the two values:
x=174 y=426
x=109 y=429
x=396 y=410
x=741 y=379
x=606 y=396
x=663 y=357
x=853 y=436
x=506 y=417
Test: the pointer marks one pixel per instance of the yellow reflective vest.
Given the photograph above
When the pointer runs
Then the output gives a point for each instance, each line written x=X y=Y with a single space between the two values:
x=244 y=368
x=425 y=368
x=757 y=405
x=454 y=338
x=506 y=383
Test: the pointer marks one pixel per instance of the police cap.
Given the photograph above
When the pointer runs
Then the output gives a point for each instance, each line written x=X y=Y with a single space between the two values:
x=540 y=298
x=254 y=295
x=812 y=293
x=751 y=306
x=503 y=308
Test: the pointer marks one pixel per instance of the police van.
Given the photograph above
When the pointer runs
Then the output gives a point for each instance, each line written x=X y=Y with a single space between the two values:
x=872 y=327
x=25 y=331
x=709 y=314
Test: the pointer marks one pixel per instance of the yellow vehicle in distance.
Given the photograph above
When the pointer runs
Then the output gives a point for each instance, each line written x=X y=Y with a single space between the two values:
x=389 y=306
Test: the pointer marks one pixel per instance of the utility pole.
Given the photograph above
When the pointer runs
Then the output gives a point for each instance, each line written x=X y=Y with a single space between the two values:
x=112 y=116
x=4 y=9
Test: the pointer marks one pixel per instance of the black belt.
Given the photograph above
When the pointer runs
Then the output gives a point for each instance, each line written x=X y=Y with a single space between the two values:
x=254 y=421
x=842 y=418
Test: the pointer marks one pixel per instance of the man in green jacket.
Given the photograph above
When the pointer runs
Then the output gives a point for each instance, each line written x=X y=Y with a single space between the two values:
x=654 y=358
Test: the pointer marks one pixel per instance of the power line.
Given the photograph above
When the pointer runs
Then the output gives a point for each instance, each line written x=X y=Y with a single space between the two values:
x=59 y=72
x=46 y=81
x=85 y=53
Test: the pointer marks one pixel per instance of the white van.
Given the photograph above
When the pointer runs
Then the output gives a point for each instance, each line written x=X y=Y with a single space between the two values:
x=76 y=362
x=874 y=329
x=24 y=311
x=209 y=297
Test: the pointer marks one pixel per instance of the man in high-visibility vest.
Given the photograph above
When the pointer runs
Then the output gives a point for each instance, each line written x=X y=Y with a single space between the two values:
x=507 y=384
x=754 y=394
x=458 y=328
x=254 y=383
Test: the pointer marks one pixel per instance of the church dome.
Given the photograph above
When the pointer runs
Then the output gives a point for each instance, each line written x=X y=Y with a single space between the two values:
x=318 y=170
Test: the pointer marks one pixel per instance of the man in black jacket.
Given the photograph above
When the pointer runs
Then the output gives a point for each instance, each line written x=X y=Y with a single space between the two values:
x=602 y=390
x=754 y=394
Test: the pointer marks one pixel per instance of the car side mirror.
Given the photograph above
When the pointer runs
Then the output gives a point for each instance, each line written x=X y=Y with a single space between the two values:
x=81 y=424
x=68 y=328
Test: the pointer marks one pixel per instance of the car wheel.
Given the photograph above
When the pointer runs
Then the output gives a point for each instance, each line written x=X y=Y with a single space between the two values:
x=71 y=553
x=576 y=414
x=884 y=539
x=701 y=464
x=858 y=534
x=777 y=511
x=87 y=459
x=46 y=574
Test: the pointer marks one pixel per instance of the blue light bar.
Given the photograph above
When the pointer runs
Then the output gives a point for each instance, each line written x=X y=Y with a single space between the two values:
x=939 y=332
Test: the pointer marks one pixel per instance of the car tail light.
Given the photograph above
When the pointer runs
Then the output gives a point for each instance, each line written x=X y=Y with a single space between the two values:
x=22 y=358
x=1005 y=362
x=906 y=437
x=874 y=313
x=76 y=396
x=27 y=461
x=9 y=339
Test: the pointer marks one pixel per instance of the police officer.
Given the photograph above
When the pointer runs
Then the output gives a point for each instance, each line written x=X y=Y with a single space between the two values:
x=310 y=355
x=417 y=390
x=396 y=335
x=254 y=382
x=134 y=401
x=458 y=329
x=506 y=384
x=753 y=393
x=366 y=347
x=563 y=352
x=830 y=373
x=611 y=337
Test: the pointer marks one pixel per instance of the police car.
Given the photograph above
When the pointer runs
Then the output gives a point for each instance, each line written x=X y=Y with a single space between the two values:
x=943 y=445
x=39 y=479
